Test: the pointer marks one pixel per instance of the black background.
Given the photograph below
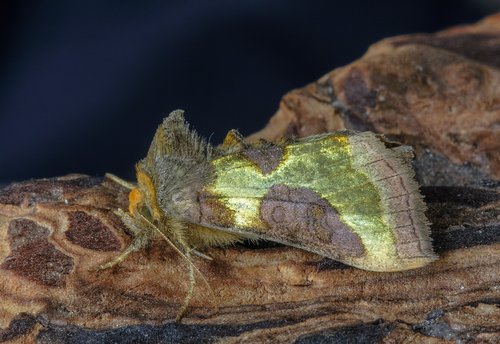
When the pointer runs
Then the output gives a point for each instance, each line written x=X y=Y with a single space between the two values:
x=83 y=85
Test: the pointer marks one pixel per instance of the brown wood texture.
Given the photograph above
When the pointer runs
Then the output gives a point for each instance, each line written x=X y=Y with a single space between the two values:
x=54 y=231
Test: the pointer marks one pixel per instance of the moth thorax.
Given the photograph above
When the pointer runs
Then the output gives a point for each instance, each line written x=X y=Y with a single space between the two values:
x=184 y=203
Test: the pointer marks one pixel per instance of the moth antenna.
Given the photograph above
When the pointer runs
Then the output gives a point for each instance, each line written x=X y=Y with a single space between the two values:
x=192 y=275
x=120 y=181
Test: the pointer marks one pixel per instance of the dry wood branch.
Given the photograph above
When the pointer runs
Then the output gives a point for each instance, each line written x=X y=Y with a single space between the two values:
x=54 y=231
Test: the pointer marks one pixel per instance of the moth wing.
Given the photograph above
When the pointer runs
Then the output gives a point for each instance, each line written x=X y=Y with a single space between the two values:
x=345 y=196
x=292 y=216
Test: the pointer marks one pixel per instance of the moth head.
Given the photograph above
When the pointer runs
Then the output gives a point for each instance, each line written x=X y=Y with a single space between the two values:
x=142 y=198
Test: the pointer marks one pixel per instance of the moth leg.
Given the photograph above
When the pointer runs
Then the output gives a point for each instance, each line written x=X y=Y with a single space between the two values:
x=120 y=181
x=174 y=228
x=177 y=229
x=141 y=238
x=180 y=239
x=189 y=295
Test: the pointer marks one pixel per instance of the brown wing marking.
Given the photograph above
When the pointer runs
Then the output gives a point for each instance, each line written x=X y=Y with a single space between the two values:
x=213 y=212
x=302 y=218
x=266 y=157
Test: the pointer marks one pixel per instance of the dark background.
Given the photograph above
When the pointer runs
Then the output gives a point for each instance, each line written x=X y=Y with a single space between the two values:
x=84 y=85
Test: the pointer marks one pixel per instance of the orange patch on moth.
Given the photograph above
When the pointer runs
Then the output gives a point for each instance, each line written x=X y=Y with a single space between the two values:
x=144 y=193
x=134 y=198
x=233 y=139
x=342 y=139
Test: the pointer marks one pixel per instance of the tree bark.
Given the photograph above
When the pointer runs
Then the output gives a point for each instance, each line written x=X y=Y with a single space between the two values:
x=439 y=93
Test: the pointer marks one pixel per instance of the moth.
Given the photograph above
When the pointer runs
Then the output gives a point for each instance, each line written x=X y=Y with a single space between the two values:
x=349 y=196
